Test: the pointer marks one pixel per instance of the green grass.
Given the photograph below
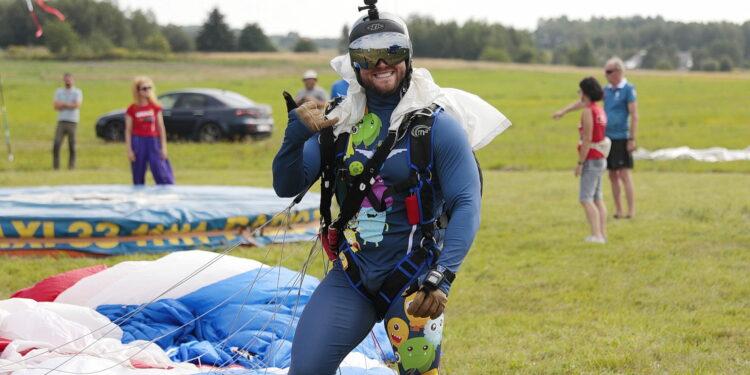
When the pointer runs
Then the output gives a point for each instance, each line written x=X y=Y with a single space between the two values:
x=667 y=294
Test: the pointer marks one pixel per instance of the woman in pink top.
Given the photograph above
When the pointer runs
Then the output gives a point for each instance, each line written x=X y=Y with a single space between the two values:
x=592 y=158
x=145 y=136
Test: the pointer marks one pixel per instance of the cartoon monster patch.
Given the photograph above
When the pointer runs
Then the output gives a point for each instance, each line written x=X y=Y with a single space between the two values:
x=433 y=330
x=370 y=224
x=417 y=353
x=366 y=131
x=398 y=331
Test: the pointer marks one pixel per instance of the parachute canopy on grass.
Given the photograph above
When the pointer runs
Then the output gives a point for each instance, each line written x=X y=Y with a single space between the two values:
x=237 y=316
x=119 y=219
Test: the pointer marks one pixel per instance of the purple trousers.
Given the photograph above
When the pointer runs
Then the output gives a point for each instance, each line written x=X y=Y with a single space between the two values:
x=148 y=153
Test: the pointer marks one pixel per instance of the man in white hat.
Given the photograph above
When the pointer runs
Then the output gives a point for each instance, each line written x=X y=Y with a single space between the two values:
x=312 y=92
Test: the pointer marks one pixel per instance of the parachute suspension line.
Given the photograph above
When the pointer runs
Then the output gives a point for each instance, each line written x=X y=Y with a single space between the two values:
x=280 y=304
x=152 y=341
x=287 y=213
x=301 y=275
x=128 y=316
x=114 y=324
x=276 y=299
x=144 y=344
x=377 y=345
x=298 y=276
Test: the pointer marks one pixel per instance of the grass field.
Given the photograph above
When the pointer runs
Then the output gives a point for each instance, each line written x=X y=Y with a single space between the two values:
x=668 y=294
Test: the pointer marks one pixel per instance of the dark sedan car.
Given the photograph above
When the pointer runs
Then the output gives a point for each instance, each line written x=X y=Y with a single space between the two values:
x=205 y=115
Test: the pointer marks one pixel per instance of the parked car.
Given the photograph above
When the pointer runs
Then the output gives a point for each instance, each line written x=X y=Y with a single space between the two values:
x=205 y=115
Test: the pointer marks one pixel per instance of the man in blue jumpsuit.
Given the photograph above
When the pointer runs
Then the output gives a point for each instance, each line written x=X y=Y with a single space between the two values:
x=338 y=317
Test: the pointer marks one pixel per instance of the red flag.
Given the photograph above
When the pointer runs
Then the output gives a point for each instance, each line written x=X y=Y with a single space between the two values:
x=46 y=8
x=50 y=10
x=39 y=30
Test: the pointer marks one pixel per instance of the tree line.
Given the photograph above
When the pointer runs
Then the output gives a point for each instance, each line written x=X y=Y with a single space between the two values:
x=100 y=28
x=712 y=46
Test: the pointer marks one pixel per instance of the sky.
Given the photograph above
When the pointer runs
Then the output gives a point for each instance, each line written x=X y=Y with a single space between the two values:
x=326 y=18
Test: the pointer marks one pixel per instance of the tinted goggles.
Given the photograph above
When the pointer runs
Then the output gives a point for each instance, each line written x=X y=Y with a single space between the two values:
x=366 y=51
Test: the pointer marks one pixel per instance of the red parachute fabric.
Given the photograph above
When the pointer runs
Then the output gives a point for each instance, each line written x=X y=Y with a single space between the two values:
x=48 y=289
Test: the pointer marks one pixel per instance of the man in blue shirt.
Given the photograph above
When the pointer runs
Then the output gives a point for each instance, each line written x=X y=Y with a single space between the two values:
x=339 y=316
x=622 y=126
x=67 y=102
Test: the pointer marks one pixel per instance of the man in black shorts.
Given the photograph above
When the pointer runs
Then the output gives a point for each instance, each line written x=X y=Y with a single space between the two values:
x=622 y=125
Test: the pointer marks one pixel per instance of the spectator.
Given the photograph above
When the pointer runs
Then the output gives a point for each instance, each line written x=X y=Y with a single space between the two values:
x=67 y=102
x=145 y=136
x=593 y=148
x=622 y=114
x=312 y=92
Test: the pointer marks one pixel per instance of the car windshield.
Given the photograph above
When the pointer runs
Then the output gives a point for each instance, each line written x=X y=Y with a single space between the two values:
x=234 y=99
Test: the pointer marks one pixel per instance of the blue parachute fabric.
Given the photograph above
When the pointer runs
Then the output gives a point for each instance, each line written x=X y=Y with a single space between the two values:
x=248 y=319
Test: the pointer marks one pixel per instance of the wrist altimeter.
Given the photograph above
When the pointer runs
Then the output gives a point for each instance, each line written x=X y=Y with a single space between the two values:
x=436 y=276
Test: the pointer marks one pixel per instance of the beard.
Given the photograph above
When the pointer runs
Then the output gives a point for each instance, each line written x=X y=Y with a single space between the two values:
x=383 y=92
x=369 y=84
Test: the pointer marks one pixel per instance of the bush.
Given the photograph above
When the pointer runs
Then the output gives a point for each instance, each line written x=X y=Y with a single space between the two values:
x=179 y=40
x=24 y=52
x=98 y=43
x=157 y=43
x=525 y=55
x=494 y=54
x=305 y=45
x=664 y=64
x=60 y=38
x=710 y=65
x=725 y=64
x=583 y=55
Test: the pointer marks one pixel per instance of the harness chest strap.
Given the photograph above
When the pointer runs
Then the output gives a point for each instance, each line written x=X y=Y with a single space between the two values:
x=419 y=205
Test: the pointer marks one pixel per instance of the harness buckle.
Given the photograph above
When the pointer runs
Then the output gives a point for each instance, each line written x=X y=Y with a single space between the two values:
x=422 y=244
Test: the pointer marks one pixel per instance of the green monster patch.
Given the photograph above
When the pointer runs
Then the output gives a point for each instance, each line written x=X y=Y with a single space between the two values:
x=356 y=168
x=365 y=132
x=416 y=353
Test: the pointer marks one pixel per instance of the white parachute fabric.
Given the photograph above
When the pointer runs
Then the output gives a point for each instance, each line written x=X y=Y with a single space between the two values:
x=712 y=155
x=45 y=334
x=132 y=283
x=480 y=120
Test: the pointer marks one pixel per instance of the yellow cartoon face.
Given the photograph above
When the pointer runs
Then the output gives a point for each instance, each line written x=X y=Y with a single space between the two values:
x=415 y=323
x=351 y=238
x=344 y=262
x=398 y=331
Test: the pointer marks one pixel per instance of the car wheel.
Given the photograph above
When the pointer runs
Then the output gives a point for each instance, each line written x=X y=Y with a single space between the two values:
x=114 y=131
x=209 y=133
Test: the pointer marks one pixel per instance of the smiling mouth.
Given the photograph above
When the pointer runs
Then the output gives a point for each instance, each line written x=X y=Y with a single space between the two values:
x=396 y=339
x=384 y=74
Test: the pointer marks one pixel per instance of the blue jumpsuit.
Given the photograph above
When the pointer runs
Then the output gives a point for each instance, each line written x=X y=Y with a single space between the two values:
x=337 y=317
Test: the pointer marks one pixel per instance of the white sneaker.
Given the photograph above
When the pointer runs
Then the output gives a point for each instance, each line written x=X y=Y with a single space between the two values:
x=595 y=239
